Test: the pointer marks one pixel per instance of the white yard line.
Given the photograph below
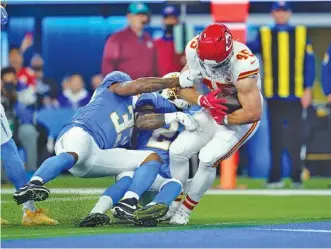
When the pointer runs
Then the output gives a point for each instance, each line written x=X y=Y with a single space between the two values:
x=266 y=192
x=292 y=230
x=270 y=192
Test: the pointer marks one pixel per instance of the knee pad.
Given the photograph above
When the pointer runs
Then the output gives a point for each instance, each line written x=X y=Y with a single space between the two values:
x=123 y=174
x=207 y=158
x=170 y=180
x=179 y=151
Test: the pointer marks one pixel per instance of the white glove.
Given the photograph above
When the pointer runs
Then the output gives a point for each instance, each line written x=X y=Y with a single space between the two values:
x=182 y=104
x=189 y=78
x=183 y=118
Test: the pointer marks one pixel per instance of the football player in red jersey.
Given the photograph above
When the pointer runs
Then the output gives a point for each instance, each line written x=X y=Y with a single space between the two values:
x=223 y=63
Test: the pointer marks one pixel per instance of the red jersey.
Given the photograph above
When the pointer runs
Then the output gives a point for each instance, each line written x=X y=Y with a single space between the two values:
x=125 y=51
x=26 y=76
x=167 y=59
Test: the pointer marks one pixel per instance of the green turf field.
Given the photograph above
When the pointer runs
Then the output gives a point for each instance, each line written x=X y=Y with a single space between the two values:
x=215 y=210
x=69 y=181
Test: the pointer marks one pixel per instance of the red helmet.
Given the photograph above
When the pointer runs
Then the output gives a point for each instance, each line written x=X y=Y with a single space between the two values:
x=215 y=46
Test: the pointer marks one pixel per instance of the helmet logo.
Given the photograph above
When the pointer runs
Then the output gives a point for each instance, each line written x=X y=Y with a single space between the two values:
x=228 y=41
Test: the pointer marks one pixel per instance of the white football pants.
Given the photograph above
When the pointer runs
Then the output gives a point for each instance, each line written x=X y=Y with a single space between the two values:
x=95 y=162
x=214 y=142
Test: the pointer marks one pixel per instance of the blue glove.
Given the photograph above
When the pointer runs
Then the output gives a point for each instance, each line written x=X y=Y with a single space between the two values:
x=4 y=16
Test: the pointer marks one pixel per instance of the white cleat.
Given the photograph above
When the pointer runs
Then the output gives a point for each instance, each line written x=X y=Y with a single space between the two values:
x=171 y=212
x=181 y=217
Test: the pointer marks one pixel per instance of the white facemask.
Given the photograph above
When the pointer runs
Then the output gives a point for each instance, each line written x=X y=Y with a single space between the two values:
x=214 y=69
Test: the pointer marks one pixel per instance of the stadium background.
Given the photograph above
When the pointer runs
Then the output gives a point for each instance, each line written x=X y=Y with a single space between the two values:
x=71 y=39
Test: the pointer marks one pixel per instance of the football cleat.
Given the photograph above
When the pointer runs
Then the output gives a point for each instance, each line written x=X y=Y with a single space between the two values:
x=151 y=212
x=4 y=222
x=95 y=219
x=37 y=218
x=181 y=217
x=171 y=212
x=31 y=191
x=125 y=209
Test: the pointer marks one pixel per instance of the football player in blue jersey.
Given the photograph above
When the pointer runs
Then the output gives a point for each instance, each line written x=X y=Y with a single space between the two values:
x=157 y=125
x=91 y=145
x=10 y=157
x=326 y=75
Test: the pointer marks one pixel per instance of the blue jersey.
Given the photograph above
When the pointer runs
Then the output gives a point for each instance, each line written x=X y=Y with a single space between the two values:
x=159 y=140
x=326 y=72
x=108 y=117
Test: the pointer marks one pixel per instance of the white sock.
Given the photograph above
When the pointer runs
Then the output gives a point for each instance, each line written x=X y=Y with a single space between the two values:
x=202 y=181
x=179 y=168
x=29 y=205
x=187 y=210
x=104 y=203
x=131 y=194
x=37 y=178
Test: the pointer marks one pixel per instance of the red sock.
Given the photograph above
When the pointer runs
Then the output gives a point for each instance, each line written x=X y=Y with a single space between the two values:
x=189 y=203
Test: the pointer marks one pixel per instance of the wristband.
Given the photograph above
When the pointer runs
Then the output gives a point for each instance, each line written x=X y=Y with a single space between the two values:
x=225 y=120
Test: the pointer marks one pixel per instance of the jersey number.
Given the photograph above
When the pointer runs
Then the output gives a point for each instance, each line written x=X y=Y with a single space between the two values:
x=161 y=138
x=244 y=54
x=121 y=127
x=219 y=85
x=194 y=44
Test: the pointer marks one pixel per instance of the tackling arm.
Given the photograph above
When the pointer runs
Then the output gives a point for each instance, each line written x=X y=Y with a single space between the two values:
x=190 y=95
x=146 y=119
x=144 y=85
x=250 y=100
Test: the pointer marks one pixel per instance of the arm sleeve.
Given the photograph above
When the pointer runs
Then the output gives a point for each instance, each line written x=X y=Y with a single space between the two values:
x=326 y=72
x=110 y=57
x=309 y=66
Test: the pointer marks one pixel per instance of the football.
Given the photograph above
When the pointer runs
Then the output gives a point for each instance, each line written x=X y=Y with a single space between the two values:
x=231 y=96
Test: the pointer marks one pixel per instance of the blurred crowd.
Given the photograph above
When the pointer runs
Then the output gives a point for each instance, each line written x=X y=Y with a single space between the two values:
x=26 y=90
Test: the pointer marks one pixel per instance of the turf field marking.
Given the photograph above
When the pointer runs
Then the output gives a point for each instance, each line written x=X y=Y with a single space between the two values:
x=293 y=230
x=57 y=233
x=54 y=199
x=259 y=192
x=175 y=228
x=270 y=192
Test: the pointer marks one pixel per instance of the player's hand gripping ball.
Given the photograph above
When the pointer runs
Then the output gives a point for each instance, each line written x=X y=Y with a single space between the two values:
x=230 y=94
